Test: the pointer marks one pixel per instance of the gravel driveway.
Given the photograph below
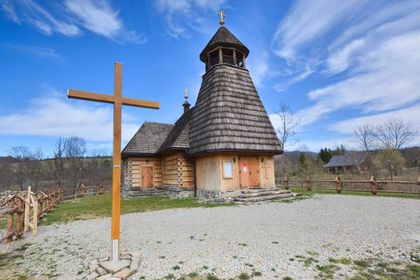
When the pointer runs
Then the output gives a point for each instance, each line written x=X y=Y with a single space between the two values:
x=271 y=240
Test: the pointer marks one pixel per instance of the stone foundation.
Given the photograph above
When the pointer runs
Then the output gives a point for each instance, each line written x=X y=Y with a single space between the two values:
x=104 y=269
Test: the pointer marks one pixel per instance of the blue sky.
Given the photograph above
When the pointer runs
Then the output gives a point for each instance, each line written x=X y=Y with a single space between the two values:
x=337 y=63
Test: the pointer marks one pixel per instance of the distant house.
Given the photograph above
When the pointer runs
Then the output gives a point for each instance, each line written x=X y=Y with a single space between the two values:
x=350 y=162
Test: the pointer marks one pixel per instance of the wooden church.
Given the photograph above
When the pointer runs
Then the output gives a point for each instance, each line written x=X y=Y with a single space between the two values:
x=225 y=142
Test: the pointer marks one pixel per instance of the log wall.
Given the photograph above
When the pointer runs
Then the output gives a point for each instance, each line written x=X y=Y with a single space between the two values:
x=177 y=171
x=132 y=171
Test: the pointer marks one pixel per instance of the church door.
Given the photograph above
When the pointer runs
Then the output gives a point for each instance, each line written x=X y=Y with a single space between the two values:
x=146 y=176
x=243 y=173
x=254 y=172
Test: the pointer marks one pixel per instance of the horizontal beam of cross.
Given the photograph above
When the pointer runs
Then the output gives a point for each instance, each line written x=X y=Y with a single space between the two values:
x=78 y=94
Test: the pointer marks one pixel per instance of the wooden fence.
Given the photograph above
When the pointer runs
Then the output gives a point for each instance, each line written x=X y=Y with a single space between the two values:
x=373 y=185
x=23 y=209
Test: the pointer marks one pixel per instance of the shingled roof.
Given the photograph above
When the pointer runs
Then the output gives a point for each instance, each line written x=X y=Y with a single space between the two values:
x=178 y=138
x=147 y=139
x=223 y=37
x=351 y=159
x=229 y=115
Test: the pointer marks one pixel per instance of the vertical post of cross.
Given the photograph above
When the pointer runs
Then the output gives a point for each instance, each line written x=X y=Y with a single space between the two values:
x=116 y=170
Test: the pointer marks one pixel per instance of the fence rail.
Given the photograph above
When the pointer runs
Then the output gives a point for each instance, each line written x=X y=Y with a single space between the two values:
x=374 y=185
x=23 y=209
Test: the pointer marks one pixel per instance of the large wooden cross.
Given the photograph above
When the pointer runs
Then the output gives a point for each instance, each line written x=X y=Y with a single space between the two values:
x=118 y=100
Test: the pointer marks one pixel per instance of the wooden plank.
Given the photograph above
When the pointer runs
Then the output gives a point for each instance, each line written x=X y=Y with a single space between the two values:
x=140 y=103
x=79 y=94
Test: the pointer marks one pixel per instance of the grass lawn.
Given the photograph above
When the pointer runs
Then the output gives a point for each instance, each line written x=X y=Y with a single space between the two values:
x=100 y=206
x=304 y=191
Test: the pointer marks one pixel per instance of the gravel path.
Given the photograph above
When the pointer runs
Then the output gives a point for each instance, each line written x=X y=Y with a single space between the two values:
x=227 y=241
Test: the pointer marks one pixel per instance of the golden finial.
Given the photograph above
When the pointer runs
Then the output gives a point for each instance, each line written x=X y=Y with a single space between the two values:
x=222 y=17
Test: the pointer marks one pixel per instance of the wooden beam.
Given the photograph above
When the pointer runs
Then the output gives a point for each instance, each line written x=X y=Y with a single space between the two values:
x=140 y=103
x=78 y=94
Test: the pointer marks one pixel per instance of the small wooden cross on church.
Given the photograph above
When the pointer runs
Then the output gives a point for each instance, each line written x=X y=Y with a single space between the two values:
x=118 y=100
x=222 y=17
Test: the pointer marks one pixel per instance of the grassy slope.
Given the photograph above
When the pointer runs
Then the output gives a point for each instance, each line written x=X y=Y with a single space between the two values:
x=304 y=191
x=100 y=206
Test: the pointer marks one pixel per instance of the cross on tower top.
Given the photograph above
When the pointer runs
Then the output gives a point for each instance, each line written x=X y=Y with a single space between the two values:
x=222 y=17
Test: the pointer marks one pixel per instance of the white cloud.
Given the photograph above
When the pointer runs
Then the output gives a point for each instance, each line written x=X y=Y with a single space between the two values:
x=181 y=15
x=10 y=11
x=316 y=145
x=341 y=59
x=96 y=16
x=410 y=114
x=100 y=18
x=307 y=21
x=282 y=86
x=385 y=79
x=46 y=22
x=41 y=52
x=56 y=116
x=379 y=54
x=259 y=68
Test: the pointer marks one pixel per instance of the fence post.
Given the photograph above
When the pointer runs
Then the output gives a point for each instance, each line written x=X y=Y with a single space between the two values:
x=373 y=184
x=20 y=218
x=41 y=205
x=309 y=183
x=35 y=218
x=338 y=184
x=27 y=209
x=286 y=182
x=10 y=221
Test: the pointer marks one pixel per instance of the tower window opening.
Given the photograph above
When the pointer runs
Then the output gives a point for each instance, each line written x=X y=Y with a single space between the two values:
x=214 y=57
x=227 y=55
x=239 y=59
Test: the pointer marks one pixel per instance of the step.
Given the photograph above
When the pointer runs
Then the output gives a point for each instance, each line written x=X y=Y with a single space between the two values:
x=263 y=198
x=262 y=193
x=148 y=192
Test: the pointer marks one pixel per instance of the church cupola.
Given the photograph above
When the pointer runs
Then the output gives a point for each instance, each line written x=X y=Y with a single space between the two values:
x=224 y=48
x=186 y=104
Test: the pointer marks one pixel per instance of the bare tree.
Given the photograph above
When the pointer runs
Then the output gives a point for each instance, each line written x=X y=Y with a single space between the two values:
x=75 y=150
x=288 y=125
x=59 y=161
x=395 y=134
x=6 y=175
x=35 y=168
x=20 y=168
x=28 y=168
x=364 y=136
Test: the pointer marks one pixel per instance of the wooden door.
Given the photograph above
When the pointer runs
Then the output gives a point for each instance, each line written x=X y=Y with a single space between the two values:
x=243 y=173
x=254 y=172
x=146 y=177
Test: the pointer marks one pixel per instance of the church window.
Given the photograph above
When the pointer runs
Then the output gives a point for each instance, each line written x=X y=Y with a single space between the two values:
x=227 y=169
x=227 y=55
x=214 y=57
x=239 y=59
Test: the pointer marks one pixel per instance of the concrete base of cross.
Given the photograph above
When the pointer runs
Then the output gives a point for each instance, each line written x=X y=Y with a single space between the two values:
x=106 y=269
